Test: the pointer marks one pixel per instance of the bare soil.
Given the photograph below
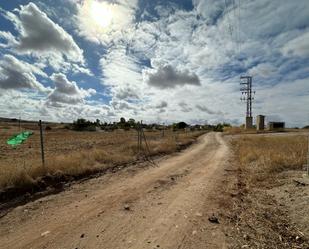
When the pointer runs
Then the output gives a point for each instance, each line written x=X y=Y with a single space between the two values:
x=164 y=206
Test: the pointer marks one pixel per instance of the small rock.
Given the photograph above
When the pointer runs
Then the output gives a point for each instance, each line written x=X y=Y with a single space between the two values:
x=126 y=207
x=246 y=237
x=198 y=214
x=45 y=233
x=194 y=232
x=101 y=212
x=82 y=235
x=213 y=219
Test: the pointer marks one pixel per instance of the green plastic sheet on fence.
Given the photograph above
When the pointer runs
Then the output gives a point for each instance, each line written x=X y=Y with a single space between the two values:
x=19 y=139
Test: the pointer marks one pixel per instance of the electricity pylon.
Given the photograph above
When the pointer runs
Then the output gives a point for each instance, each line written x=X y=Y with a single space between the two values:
x=248 y=97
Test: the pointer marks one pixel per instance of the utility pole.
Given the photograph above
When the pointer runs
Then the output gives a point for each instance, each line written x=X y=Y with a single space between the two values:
x=42 y=144
x=247 y=96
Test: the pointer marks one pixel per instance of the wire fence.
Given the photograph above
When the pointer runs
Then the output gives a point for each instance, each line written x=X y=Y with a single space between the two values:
x=73 y=152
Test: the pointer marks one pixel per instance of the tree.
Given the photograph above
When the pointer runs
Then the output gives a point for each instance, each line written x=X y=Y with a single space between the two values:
x=82 y=124
x=132 y=123
x=180 y=125
x=122 y=120
x=219 y=127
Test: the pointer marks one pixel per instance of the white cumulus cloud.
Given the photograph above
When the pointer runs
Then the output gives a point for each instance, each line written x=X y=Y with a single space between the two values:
x=67 y=92
x=16 y=74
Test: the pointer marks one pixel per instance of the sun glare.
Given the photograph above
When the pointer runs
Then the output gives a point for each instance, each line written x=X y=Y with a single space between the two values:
x=100 y=13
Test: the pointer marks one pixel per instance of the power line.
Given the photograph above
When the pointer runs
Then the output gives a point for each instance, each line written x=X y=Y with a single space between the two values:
x=227 y=11
x=233 y=22
x=239 y=40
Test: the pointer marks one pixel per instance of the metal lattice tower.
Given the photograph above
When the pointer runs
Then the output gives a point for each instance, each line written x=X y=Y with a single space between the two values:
x=247 y=93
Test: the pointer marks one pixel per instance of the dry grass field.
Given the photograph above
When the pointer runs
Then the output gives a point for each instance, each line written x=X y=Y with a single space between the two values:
x=265 y=156
x=270 y=208
x=75 y=153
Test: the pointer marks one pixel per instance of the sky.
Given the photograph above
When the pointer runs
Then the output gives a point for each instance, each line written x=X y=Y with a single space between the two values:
x=154 y=60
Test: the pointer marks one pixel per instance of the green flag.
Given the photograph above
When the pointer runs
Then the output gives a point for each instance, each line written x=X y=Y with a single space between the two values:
x=19 y=139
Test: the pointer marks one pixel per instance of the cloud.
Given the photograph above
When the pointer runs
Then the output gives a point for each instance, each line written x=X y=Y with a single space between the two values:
x=184 y=107
x=104 y=22
x=39 y=34
x=297 y=47
x=211 y=10
x=119 y=68
x=263 y=70
x=207 y=110
x=168 y=77
x=287 y=100
x=121 y=105
x=8 y=38
x=42 y=38
x=126 y=93
x=16 y=74
x=161 y=105
x=67 y=92
x=122 y=74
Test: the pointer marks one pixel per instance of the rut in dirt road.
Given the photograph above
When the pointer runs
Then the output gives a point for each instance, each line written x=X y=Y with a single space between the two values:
x=156 y=207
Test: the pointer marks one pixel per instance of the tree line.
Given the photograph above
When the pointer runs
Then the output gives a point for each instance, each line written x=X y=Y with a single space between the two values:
x=82 y=124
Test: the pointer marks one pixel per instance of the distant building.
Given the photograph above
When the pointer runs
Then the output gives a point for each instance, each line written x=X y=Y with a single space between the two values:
x=276 y=126
x=260 y=122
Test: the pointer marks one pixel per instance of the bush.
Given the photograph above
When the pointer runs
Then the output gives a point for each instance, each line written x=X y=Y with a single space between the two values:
x=83 y=125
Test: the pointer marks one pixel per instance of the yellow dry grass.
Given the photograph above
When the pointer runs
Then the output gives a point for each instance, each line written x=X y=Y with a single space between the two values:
x=75 y=153
x=258 y=220
x=263 y=156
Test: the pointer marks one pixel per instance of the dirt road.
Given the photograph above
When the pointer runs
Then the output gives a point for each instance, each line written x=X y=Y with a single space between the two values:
x=166 y=206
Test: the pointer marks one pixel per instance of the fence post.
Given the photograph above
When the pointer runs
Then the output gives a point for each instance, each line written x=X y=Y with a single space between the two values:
x=163 y=130
x=42 y=144
x=308 y=158
x=140 y=135
x=137 y=128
